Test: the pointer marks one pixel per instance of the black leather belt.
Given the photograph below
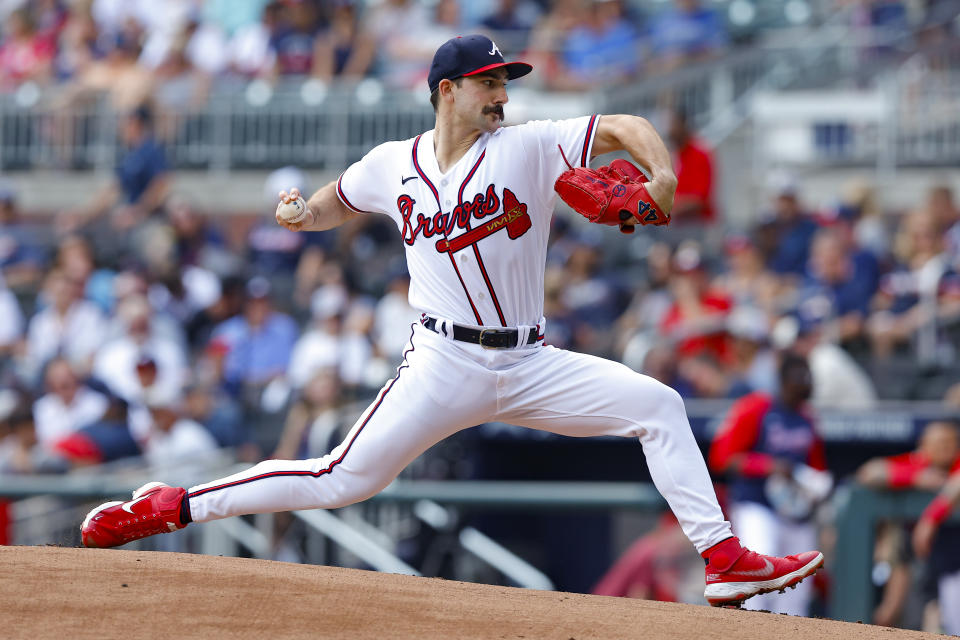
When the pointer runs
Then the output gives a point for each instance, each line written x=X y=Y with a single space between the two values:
x=489 y=338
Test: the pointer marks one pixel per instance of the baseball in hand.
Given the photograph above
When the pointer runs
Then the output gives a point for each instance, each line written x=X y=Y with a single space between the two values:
x=293 y=211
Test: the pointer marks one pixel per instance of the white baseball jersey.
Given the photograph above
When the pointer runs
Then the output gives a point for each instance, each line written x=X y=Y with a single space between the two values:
x=475 y=236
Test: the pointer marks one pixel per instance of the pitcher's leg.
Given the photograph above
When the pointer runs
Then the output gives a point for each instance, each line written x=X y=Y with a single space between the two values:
x=403 y=422
x=359 y=467
x=580 y=395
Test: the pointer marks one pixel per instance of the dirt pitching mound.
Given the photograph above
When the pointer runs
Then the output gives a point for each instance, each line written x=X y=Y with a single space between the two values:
x=50 y=592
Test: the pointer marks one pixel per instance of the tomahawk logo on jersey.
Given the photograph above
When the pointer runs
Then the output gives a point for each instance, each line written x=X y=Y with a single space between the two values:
x=486 y=220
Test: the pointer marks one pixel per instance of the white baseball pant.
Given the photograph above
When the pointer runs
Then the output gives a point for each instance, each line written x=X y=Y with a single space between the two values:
x=444 y=386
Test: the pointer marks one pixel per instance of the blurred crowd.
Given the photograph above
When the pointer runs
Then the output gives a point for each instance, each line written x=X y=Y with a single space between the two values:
x=164 y=332
x=141 y=299
x=175 y=50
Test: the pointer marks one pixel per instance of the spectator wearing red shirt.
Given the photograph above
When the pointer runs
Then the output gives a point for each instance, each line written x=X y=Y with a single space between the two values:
x=933 y=466
x=937 y=456
x=769 y=447
x=693 y=163
x=696 y=321
x=23 y=55
x=658 y=566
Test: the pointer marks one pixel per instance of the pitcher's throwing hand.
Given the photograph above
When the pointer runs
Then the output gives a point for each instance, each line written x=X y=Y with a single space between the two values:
x=293 y=212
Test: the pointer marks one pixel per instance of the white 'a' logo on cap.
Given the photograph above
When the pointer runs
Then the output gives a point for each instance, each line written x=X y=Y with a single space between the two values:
x=495 y=50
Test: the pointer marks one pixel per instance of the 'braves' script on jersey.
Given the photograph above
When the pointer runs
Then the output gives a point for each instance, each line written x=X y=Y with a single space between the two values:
x=476 y=235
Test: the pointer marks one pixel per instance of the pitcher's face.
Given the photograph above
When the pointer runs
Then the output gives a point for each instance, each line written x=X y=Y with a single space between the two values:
x=480 y=99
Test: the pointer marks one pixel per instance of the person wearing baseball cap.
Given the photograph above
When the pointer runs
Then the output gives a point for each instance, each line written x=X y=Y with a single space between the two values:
x=471 y=55
x=476 y=236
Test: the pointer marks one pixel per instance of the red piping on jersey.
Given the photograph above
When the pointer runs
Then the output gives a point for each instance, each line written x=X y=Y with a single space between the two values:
x=586 y=141
x=564 y=156
x=476 y=248
x=436 y=195
x=344 y=197
x=332 y=465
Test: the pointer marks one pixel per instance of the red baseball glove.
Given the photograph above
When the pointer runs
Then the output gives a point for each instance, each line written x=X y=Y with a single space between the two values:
x=610 y=195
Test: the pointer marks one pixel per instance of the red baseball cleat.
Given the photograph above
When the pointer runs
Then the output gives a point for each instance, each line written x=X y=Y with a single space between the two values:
x=155 y=508
x=734 y=573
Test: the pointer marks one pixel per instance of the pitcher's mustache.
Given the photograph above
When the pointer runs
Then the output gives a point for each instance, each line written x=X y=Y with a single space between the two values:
x=496 y=109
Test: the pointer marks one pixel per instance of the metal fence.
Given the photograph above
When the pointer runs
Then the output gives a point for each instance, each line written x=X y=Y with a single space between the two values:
x=926 y=120
x=305 y=123
x=229 y=132
x=310 y=126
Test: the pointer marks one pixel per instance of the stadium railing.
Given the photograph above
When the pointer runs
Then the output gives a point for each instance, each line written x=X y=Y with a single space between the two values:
x=305 y=123
x=859 y=511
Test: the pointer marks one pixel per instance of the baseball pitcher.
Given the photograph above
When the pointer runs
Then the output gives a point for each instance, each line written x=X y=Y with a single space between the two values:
x=473 y=201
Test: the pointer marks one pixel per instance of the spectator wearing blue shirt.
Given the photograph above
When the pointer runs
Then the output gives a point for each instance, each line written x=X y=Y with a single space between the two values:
x=687 y=32
x=603 y=50
x=296 y=42
x=142 y=180
x=22 y=257
x=785 y=239
x=254 y=347
x=271 y=248
x=921 y=278
x=865 y=262
x=835 y=289
x=510 y=23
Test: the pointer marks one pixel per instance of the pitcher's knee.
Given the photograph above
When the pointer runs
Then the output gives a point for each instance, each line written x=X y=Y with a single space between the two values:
x=666 y=400
x=350 y=489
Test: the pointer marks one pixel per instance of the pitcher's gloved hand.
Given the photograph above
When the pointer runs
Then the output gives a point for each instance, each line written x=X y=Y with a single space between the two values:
x=613 y=195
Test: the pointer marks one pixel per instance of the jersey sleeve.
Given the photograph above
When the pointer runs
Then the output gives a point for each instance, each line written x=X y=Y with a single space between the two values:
x=552 y=144
x=903 y=469
x=361 y=187
x=817 y=458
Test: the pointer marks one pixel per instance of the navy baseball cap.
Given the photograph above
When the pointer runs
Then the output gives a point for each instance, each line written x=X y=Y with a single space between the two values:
x=470 y=55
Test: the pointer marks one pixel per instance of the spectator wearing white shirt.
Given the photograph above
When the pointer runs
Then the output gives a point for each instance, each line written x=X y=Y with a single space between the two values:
x=838 y=381
x=319 y=346
x=358 y=366
x=249 y=49
x=69 y=325
x=116 y=364
x=67 y=406
x=396 y=25
x=174 y=438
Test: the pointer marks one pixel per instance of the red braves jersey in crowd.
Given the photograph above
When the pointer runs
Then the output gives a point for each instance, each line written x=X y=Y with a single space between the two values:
x=765 y=430
x=695 y=176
